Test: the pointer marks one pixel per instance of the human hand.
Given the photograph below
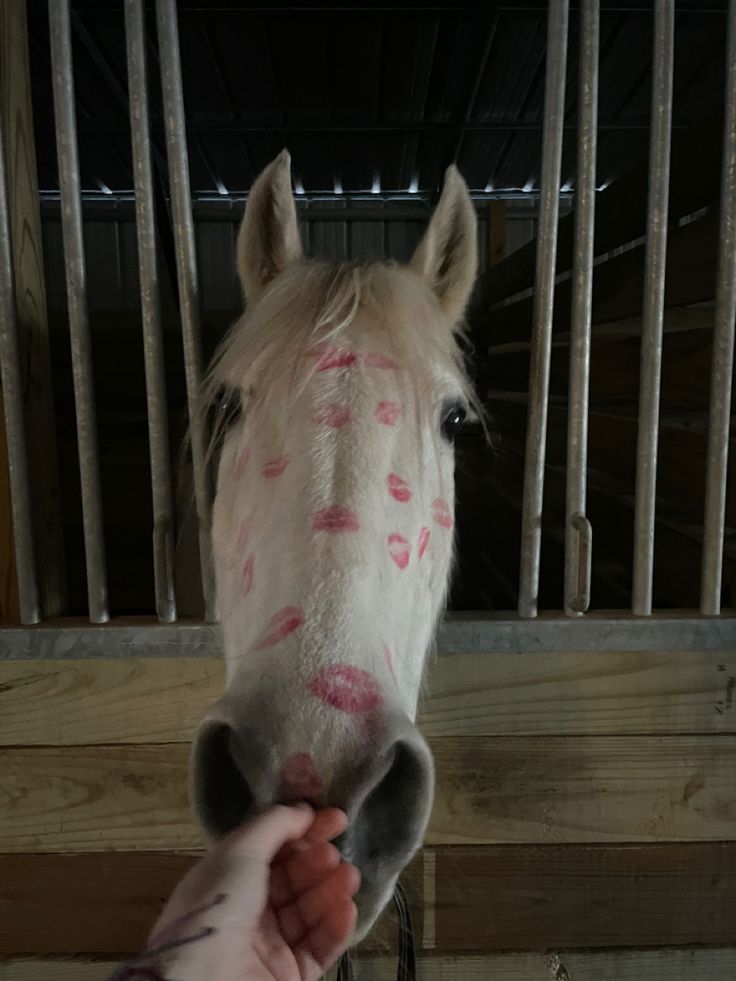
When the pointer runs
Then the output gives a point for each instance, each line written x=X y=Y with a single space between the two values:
x=276 y=897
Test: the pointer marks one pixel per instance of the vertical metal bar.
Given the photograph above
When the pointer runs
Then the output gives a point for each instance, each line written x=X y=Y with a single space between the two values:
x=723 y=350
x=536 y=432
x=76 y=288
x=186 y=270
x=653 y=305
x=153 y=347
x=12 y=392
x=577 y=527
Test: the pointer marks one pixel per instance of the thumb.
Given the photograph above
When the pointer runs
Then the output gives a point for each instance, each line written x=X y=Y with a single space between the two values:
x=262 y=838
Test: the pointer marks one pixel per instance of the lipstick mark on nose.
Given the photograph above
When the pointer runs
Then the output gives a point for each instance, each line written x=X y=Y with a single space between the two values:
x=299 y=779
x=441 y=513
x=347 y=688
x=336 y=519
x=281 y=624
x=274 y=468
x=399 y=550
x=398 y=488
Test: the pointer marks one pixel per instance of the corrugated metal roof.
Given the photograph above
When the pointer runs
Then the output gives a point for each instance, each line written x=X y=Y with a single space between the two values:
x=371 y=99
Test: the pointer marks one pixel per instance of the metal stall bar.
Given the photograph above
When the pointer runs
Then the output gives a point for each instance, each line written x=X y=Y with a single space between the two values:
x=12 y=398
x=723 y=350
x=536 y=432
x=578 y=531
x=153 y=346
x=186 y=269
x=653 y=305
x=76 y=288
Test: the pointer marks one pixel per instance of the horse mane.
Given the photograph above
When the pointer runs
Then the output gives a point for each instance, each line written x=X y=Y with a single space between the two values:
x=316 y=302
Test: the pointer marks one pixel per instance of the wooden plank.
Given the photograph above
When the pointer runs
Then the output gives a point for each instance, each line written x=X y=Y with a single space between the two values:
x=678 y=546
x=487 y=899
x=617 y=284
x=614 y=369
x=161 y=700
x=670 y=964
x=17 y=114
x=557 y=789
x=518 y=898
x=681 y=455
x=676 y=320
x=621 y=209
x=107 y=902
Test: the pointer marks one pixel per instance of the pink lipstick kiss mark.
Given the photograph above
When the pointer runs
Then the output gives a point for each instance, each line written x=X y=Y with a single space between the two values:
x=333 y=415
x=329 y=357
x=347 y=688
x=241 y=463
x=374 y=360
x=274 y=468
x=281 y=624
x=423 y=542
x=389 y=661
x=335 y=519
x=299 y=779
x=248 y=576
x=388 y=413
x=441 y=512
x=398 y=488
x=244 y=533
x=399 y=550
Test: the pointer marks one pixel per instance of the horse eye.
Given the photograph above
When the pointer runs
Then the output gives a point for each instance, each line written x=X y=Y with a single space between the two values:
x=227 y=407
x=453 y=417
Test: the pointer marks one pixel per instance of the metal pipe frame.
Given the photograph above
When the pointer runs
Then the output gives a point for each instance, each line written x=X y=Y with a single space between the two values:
x=653 y=307
x=578 y=531
x=723 y=350
x=541 y=347
x=12 y=400
x=76 y=287
x=186 y=268
x=612 y=630
x=153 y=347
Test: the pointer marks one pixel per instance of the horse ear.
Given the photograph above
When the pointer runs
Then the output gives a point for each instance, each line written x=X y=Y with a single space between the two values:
x=447 y=256
x=268 y=240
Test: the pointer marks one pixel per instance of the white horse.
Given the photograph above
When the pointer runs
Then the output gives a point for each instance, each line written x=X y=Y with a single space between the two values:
x=340 y=390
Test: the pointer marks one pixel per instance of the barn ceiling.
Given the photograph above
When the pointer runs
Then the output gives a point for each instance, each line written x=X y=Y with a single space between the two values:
x=370 y=100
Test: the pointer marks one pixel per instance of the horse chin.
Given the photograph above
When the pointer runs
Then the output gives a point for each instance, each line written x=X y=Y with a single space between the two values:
x=371 y=903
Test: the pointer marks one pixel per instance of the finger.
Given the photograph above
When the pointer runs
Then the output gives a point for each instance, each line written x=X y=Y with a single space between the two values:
x=300 y=871
x=296 y=919
x=262 y=838
x=327 y=941
x=327 y=824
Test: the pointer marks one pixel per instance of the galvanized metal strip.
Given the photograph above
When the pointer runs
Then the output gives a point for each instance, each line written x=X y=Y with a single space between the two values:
x=536 y=433
x=611 y=631
x=578 y=531
x=723 y=350
x=76 y=288
x=186 y=268
x=12 y=398
x=153 y=346
x=653 y=305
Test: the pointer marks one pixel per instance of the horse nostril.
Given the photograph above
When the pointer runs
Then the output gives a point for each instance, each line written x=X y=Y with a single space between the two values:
x=222 y=797
x=389 y=824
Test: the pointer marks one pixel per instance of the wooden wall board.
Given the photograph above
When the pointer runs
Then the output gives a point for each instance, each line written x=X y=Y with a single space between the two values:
x=494 y=898
x=669 y=964
x=556 y=789
x=622 y=208
x=617 y=285
x=152 y=700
